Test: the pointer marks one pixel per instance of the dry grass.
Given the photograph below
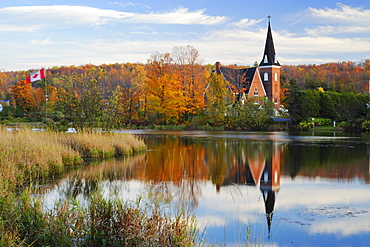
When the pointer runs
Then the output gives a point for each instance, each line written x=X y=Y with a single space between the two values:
x=104 y=222
x=101 y=145
x=28 y=156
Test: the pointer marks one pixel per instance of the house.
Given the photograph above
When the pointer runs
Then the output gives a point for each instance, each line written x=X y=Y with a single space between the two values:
x=256 y=82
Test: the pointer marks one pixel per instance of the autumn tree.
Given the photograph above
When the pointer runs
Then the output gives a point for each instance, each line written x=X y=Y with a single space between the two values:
x=4 y=85
x=164 y=89
x=22 y=97
x=193 y=78
x=131 y=90
x=46 y=97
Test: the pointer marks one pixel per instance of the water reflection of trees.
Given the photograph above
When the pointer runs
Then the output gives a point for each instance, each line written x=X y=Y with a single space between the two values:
x=178 y=165
x=334 y=160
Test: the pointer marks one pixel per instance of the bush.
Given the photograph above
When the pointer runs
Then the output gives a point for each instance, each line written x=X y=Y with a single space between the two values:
x=365 y=126
x=322 y=121
x=306 y=125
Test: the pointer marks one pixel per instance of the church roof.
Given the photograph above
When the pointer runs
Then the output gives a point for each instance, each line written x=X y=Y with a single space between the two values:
x=269 y=56
x=239 y=78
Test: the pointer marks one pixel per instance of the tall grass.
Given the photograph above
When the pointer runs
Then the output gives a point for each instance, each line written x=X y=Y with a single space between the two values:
x=27 y=156
x=103 y=222
x=101 y=145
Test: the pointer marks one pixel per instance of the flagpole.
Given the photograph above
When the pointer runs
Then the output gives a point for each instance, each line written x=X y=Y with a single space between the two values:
x=46 y=101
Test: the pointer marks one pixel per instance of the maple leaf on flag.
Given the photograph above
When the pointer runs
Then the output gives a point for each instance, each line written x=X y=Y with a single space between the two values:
x=36 y=76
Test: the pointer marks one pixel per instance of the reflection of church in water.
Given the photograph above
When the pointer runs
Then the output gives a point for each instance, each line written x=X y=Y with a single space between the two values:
x=260 y=170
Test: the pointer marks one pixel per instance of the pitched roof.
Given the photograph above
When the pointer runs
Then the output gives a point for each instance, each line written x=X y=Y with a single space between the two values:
x=239 y=78
x=269 y=56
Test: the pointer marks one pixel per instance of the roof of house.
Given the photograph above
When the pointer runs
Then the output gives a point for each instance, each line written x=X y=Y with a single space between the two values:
x=239 y=78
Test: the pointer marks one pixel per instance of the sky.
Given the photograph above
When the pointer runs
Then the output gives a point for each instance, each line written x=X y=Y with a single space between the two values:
x=38 y=34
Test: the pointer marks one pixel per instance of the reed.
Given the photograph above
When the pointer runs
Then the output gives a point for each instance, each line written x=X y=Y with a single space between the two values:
x=104 y=222
x=102 y=145
x=28 y=156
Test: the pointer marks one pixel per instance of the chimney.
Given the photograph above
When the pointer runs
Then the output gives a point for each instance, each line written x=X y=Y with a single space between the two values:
x=218 y=66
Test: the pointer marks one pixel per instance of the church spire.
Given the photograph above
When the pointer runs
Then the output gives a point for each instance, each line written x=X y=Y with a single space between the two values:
x=269 y=56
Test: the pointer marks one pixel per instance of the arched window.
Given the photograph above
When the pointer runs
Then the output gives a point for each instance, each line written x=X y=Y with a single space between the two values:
x=276 y=76
x=265 y=76
x=255 y=92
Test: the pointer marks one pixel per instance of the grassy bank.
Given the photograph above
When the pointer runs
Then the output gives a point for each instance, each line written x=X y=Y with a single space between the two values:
x=28 y=156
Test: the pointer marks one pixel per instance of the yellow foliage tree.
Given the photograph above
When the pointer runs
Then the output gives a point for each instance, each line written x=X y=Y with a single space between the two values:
x=164 y=89
x=192 y=75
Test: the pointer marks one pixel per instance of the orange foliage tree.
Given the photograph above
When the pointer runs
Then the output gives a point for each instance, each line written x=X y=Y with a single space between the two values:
x=22 y=96
x=164 y=89
x=193 y=77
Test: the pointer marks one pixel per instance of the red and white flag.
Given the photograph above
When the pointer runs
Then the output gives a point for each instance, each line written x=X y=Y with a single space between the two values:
x=36 y=76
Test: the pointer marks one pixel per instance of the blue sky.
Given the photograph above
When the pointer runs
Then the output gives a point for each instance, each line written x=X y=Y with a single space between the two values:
x=41 y=33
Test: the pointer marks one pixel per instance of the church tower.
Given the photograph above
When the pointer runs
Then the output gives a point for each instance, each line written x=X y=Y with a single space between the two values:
x=270 y=70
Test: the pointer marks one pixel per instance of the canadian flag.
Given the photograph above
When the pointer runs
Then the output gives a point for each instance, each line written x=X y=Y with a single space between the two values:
x=36 y=76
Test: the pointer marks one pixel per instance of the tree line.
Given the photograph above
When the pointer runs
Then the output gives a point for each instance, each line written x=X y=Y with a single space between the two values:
x=176 y=89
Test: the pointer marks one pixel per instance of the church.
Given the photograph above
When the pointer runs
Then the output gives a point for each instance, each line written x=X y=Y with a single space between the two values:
x=256 y=82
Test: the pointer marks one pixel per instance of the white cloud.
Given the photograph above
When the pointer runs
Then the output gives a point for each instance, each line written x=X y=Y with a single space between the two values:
x=246 y=22
x=86 y=37
x=61 y=15
x=47 y=41
x=342 y=14
x=20 y=28
x=343 y=19
x=130 y=4
x=343 y=227
x=178 y=16
x=333 y=30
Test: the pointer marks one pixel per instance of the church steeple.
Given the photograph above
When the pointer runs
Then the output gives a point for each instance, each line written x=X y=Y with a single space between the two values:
x=270 y=70
x=269 y=56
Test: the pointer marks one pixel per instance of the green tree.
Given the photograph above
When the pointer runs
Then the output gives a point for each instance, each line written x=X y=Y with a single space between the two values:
x=312 y=101
x=249 y=116
x=294 y=102
x=217 y=97
x=85 y=110
x=327 y=107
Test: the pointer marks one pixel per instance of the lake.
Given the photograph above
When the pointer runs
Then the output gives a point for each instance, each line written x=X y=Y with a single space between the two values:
x=263 y=188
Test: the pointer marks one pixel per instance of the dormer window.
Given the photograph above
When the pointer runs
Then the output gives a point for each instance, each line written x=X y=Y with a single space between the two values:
x=275 y=60
x=265 y=59
x=265 y=76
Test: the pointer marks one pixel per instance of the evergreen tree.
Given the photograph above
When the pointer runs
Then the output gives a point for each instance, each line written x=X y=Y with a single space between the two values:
x=294 y=102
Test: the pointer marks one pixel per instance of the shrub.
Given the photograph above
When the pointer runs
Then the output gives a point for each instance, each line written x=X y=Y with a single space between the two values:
x=306 y=125
x=365 y=126
x=322 y=121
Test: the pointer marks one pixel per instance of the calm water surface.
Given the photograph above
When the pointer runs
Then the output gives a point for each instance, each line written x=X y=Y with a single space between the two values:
x=270 y=189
